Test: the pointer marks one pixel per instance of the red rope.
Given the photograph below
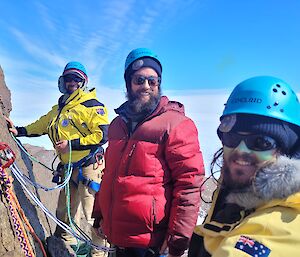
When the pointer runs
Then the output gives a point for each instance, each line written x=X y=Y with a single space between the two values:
x=14 y=206
x=18 y=226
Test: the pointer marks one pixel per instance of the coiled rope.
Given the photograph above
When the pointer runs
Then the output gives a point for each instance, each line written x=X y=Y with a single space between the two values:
x=15 y=209
x=24 y=181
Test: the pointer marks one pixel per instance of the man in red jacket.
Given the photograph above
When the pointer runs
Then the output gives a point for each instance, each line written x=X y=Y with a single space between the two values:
x=149 y=196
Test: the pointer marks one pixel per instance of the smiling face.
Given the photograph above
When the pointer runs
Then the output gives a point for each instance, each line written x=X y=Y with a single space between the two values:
x=241 y=164
x=72 y=82
x=144 y=96
x=71 y=86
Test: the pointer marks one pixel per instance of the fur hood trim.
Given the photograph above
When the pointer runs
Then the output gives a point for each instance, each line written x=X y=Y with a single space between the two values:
x=278 y=180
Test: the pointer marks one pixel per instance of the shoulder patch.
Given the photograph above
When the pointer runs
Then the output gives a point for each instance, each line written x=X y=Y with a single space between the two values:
x=92 y=103
x=100 y=111
x=252 y=247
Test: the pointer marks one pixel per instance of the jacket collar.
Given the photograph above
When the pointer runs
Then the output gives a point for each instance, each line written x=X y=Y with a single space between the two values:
x=163 y=106
x=76 y=97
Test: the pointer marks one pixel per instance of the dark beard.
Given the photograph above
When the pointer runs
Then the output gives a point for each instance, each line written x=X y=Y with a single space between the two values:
x=139 y=106
x=231 y=184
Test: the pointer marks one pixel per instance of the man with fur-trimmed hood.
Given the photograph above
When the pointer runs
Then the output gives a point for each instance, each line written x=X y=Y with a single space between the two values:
x=255 y=209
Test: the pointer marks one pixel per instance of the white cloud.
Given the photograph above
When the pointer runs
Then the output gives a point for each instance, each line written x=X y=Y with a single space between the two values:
x=46 y=18
x=37 y=51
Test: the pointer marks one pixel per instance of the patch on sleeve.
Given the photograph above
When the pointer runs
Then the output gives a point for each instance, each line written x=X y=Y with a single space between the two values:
x=252 y=247
x=100 y=111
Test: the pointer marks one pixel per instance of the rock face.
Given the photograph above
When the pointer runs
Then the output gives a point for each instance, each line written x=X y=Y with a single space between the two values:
x=42 y=226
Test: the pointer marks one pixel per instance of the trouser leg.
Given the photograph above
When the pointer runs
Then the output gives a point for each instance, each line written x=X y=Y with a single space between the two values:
x=63 y=205
x=196 y=244
x=87 y=195
x=136 y=252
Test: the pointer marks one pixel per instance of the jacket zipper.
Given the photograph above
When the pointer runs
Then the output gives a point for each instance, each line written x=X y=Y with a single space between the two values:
x=56 y=124
x=113 y=186
x=129 y=159
x=59 y=112
x=153 y=212
x=72 y=122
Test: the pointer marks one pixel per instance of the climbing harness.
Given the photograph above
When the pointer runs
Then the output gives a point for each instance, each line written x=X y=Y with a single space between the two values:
x=98 y=155
x=15 y=209
x=87 y=182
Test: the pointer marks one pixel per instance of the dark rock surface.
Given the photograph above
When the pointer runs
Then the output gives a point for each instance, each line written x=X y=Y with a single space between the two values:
x=43 y=227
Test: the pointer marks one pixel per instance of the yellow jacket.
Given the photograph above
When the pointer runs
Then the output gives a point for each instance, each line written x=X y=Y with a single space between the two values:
x=274 y=226
x=81 y=118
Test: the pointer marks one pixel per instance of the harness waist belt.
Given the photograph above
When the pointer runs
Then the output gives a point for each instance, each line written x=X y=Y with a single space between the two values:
x=88 y=182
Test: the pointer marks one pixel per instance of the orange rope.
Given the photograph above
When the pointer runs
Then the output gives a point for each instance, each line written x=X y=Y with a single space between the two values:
x=19 y=228
x=14 y=205
x=28 y=225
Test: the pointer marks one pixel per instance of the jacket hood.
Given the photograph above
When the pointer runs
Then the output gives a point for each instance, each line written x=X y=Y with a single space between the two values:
x=276 y=181
x=166 y=105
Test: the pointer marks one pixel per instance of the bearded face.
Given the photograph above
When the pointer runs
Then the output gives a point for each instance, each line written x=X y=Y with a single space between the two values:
x=241 y=164
x=145 y=93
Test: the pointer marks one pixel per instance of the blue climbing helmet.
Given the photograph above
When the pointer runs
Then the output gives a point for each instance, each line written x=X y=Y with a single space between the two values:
x=77 y=69
x=266 y=96
x=138 y=58
x=140 y=53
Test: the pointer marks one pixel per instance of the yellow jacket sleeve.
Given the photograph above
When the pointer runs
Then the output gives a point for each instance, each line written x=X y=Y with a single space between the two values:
x=40 y=127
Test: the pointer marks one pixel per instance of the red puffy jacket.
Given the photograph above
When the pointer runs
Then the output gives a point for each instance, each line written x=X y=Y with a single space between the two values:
x=151 y=184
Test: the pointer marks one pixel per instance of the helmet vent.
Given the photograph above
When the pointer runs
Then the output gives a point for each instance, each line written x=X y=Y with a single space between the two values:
x=283 y=92
x=277 y=85
x=276 y=103
x=275 y=90
x=268 y=107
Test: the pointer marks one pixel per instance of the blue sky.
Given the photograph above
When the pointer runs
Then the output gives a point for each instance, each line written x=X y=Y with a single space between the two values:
x=206 y=47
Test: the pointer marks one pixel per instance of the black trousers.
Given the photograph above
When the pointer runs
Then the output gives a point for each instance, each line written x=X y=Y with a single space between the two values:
x=137 y=252
x=196 y=248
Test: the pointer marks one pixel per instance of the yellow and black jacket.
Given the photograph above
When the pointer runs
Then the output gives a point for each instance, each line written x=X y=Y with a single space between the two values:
x=81 y=118
x=265 y=223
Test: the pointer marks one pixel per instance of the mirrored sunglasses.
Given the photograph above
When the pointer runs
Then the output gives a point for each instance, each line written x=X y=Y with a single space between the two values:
x=71 y=77
x=140 y=80
x=253 y=142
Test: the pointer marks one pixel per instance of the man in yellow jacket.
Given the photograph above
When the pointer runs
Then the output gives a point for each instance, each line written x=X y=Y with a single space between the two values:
x=80 y=120
x=256 y=208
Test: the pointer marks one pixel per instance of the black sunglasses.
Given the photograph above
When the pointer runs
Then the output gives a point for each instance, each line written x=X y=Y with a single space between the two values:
x=71 y=77
x=253 y=142
x=140 y=80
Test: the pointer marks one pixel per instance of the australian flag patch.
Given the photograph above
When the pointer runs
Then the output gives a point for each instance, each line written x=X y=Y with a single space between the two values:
x=252 y=247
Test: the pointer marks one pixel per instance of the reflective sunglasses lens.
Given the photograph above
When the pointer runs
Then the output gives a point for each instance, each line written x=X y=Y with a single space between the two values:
x=153 y=81
x=260 y=143
x=70 y=78
x=139 y=80
x=231 y=140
